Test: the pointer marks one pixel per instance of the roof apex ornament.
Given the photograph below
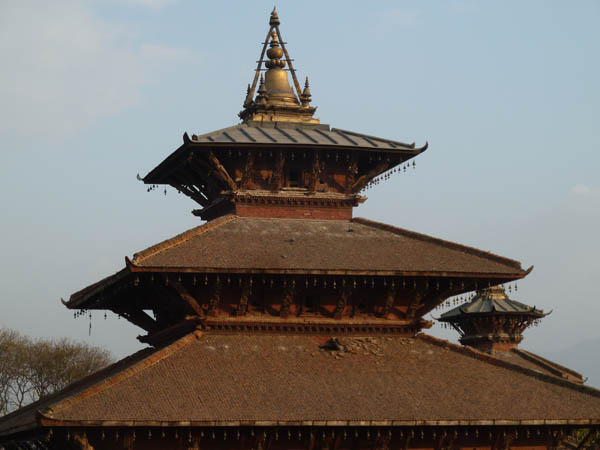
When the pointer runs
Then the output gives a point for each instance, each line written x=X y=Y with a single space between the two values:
x=279 y=102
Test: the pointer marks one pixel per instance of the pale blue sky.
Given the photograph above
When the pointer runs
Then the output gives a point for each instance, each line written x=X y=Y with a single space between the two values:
x=506 y=93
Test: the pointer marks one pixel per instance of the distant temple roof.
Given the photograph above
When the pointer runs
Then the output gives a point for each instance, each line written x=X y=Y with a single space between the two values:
x=493 y=300
x=233 y=380
x=491 y=321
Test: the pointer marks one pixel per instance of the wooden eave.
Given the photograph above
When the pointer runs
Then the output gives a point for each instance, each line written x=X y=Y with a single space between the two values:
x=49 y=422
x=160 y=173
x=468 y=316
x=332 y=272
x=80 y=299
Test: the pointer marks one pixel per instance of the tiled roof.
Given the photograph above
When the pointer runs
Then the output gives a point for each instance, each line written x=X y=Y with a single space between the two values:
x=282 y=379
x=287 y=245
x=532 y=361
x=301 y=135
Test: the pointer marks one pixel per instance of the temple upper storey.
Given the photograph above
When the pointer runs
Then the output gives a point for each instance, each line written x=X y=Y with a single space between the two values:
x=280 y=162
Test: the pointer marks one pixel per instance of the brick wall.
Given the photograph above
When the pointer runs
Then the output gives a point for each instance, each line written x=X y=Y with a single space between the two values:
x=294 y=212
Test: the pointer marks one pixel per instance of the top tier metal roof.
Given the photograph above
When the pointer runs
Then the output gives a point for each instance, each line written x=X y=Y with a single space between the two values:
x=302 y=135
x=491 y=301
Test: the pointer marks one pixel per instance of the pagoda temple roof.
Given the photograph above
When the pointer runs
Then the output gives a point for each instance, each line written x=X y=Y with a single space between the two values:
x=263 y=135
x=290 y=133
x=236 y=380
x=358 y=245
x=492 y=300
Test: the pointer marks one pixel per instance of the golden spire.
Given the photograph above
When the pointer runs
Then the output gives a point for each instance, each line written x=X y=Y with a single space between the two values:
x=274 y=19
x=276 y=79
x=276 y=100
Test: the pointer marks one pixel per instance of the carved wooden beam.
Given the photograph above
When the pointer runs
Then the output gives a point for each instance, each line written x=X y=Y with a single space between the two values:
x=342 y=301
x=196 y=196
x=214 y=161
x=198 y=186
x=215 y=297
x=243 y=303
x=406 y=443
x=351 y=172
x=432 y=299
x=188 y=299
x=81 y=442
x=315 y=172
x=414 y=305
x=382 y=442
x=207 y=173
x=289 y=297
x=390 y=298
x=138 y=318
x=248 y=169
x=364 y=179
x=277 y=175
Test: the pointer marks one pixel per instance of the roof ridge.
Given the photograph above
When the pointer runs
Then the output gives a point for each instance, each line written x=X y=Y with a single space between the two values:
x=445 y=243
x=221 y=130
x=98 y=285
x=182 y=237
x=485 y=357
x=138 y=366
x=546 y=362
x=73 y=386
x=369 y=136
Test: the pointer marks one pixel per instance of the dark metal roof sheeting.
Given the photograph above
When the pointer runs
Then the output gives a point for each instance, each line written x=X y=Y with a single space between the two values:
x=298 y=134
x=481 y=305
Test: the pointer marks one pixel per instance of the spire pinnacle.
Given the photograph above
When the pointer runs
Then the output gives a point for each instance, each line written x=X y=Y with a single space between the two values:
x=274 y=19
x=306 y=97
x=276 y=99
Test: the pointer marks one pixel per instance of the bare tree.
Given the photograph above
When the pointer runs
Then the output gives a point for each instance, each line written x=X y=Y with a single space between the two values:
x=31 y=369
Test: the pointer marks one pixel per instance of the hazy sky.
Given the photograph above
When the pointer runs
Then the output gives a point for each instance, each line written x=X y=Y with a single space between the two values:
x=506 y=93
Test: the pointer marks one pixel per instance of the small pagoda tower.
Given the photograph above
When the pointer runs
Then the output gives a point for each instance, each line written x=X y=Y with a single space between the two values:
x=491 y=321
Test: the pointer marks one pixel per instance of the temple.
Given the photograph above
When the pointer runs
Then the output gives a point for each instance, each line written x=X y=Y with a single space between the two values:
x=283 y=322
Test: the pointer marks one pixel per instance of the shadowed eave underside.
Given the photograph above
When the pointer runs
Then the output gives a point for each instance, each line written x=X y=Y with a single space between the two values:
x=259 y=136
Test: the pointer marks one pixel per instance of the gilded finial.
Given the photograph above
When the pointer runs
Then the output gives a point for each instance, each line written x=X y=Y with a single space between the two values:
x=262 y=91
x=275 y=53
x=275 y=99
x=274 y=20
x=306 y=96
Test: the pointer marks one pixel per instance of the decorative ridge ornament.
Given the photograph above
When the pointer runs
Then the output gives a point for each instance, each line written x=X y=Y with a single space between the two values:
x=276 y=100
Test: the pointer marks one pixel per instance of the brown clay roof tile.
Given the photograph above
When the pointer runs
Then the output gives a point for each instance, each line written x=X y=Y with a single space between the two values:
x=343 y=246
x=227 y=379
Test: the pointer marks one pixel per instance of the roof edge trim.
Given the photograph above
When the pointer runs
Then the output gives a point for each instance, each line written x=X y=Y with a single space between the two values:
x=138 y=366
x=47 y=421
x=473 y=353
x=449 y=244
x=180 y=238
